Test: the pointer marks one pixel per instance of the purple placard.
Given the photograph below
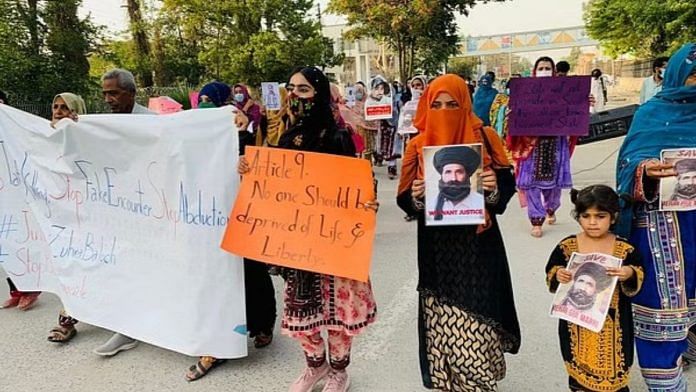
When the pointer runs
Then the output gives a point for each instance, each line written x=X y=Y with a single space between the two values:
x=558 y=106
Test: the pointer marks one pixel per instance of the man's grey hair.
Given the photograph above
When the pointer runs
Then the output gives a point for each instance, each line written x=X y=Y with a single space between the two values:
x=124 y=78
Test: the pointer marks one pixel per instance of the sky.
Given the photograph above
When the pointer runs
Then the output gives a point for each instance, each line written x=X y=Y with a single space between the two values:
x=484 y=19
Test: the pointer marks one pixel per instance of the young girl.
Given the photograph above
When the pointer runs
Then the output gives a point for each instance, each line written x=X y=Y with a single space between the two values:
x=598 y=361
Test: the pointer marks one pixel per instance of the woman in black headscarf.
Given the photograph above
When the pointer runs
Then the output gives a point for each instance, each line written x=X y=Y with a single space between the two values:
x=314 y=302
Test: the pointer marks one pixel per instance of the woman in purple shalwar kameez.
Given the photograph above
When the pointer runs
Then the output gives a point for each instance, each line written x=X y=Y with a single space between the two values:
x=542 y=166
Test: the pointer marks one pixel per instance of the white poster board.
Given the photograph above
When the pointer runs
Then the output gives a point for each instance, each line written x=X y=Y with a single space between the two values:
x=678 y=193
x=406 y=117
x=453 y=190
x=122 y=217
x=350 y=96
x=271 y=95
x=586 y=299
x=379 y=103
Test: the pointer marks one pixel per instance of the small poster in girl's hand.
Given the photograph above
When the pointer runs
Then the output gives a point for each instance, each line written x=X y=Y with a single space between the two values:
x=678 y=193
x=585 y=300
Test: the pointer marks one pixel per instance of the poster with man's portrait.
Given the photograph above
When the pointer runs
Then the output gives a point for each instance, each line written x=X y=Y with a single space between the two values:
x=585 y=300
x=350 y=96
x=379 y=103
x=271 y=95
x=678 y=193
x=453 y=189
x=406 y=117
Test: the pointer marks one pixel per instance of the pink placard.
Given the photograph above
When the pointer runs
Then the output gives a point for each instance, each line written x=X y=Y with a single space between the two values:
x=193 y=98
x=164 y=105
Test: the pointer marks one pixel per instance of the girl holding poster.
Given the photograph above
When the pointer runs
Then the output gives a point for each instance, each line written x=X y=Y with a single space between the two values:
x=591 y=357
x=315 y=303
x=463 y=275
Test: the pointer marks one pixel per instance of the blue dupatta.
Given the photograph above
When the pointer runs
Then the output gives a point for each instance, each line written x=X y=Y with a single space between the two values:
x=667 y=121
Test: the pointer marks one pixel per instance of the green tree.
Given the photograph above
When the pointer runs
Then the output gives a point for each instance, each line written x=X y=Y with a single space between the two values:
x=69 y=40
x=574 y=57
x=645 y=28
x=421 y=32
x=141 y=43
x=248 y=41
x=463 y=66
x=44 y=48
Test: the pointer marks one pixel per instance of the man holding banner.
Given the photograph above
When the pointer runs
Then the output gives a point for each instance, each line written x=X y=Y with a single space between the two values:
x=111 y=214
x=118 y=86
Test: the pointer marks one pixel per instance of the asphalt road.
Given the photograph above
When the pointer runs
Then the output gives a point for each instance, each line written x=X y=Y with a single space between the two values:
x=384 y=359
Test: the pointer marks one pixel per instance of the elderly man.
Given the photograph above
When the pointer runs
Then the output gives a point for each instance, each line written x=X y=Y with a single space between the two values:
x=588 y=281
x=456 y=165
x=118 y=87
x=686 y=180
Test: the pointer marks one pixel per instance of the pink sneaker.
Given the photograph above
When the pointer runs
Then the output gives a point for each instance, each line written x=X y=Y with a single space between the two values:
x=309 y=378
x=338 y=381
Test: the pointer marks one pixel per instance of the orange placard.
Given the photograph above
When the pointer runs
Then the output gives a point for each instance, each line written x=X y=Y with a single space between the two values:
x=304 y=210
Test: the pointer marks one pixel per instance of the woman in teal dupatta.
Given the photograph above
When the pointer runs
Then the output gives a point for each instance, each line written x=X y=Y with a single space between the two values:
x=666 y=239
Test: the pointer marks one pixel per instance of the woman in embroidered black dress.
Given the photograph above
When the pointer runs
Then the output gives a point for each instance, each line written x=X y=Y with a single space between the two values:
x=464 y=280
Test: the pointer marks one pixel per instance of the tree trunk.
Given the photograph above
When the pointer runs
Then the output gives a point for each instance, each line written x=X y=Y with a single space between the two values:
x=161 y=78
x=30 y=16
x=411 y=57
x=142 y=45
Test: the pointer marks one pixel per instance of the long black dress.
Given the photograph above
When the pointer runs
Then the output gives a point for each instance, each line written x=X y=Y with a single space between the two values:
x=467 y=315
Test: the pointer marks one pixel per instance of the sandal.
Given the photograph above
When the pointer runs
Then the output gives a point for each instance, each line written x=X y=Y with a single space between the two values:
x=202 y=367
x=262 y=340
x=11 y=302
x=62 y=334
x=536 y=232
x=27 y=301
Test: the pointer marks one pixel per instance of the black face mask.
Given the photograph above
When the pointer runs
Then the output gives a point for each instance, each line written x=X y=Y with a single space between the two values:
x=455 y=191
x=301 y=107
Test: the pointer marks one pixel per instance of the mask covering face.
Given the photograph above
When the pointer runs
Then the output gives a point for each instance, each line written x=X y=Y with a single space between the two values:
x=239 y=98
x=662 y=73
x=301 y=107
x=544 y=74
x=359 y=96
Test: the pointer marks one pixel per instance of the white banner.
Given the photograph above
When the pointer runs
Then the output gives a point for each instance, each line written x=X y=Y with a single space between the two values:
x=122 y=217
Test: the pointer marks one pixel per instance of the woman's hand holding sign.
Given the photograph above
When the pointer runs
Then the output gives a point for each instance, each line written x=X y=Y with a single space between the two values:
x=489 y=181
x=243 y=166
